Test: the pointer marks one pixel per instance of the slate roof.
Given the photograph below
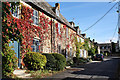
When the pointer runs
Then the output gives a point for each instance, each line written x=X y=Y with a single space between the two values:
x=42 y=4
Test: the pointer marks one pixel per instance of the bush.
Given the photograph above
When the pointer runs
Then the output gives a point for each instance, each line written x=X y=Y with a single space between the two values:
x=34 y=61
x=50 y=65
x=79 y=60
x=9 y=61
x=69 y=62
x=75 y=59
x=60 y=61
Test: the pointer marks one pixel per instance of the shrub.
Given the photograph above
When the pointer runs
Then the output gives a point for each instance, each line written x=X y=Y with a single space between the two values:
x=9 y=61
x=34 y=61
x=79 y=60
x=82 y=60
x=75 y=59
x=60 y=61
x=50 y=65
x=69 y=62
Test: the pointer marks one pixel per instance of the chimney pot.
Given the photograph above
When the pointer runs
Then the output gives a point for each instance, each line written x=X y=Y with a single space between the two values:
x=57 y=5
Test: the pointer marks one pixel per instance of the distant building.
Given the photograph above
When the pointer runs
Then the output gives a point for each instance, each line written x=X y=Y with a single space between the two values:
x=105 y=47
x=108 y=47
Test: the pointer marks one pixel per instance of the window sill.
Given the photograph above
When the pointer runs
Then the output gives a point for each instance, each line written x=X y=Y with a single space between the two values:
x=15 y=16
x=34 y=24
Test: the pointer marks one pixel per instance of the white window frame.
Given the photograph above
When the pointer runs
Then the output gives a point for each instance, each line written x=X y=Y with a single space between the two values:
x=16 y=12
x=35 y=45
x=59 y=48
x=70 y=51
x=59 y=25
x=67 y=32
x=102 y=47
x=78 y=39
x=78 y=31
x=35 y=17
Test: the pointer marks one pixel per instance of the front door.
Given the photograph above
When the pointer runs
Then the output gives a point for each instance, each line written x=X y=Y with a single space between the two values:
x=16 y=48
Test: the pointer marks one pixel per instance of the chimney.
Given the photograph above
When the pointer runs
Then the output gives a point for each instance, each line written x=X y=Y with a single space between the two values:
x=89 y=38
x=72 y=24
x=93 y=40
x=57 y=5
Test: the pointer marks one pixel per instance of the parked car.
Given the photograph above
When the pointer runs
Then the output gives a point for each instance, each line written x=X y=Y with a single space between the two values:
x=99 y=57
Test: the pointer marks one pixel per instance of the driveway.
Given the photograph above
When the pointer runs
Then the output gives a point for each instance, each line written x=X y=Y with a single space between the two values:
x=96 y=70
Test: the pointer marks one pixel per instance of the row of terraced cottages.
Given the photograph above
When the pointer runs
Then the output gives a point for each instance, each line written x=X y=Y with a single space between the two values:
x=45 y=30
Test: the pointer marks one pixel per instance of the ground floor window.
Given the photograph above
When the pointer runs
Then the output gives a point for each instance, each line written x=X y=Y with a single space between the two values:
x=35 y=45
x=59 y=48
x=70 y=51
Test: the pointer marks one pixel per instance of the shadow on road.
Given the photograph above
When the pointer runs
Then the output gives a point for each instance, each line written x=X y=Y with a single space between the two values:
x=107 y=69
x=69 y=78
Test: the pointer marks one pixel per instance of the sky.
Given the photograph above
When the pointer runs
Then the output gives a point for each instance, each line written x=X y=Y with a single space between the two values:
x=84 y=14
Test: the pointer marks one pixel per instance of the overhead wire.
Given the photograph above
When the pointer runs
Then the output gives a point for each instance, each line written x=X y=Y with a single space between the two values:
x=114 y=32
x=101 y=17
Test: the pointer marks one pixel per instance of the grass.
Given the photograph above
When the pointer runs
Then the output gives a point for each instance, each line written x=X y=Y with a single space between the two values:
x=41 y=73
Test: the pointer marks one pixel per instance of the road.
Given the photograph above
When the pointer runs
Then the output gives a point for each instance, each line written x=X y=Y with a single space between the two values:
x=96 y=70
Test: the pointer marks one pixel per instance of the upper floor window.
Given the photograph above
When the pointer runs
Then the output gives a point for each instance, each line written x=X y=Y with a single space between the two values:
x=59 y=25
x=67 y=32
x=78 y=31
x=78 y=39
x=14 y=10
x=35 y=17
x=82 y=40
x=102 y=47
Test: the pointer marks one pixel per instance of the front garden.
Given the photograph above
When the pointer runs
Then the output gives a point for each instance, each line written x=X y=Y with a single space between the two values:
x=39 y=65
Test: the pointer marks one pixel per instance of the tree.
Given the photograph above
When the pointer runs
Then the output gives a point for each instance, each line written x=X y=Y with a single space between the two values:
x=78 y=46
x=113 y=47
x=86 y=44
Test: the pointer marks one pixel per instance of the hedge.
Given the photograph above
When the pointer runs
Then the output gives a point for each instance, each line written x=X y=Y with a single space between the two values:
x=55 y=61
x=51 y=61
x=79 y=60
x=60 y=61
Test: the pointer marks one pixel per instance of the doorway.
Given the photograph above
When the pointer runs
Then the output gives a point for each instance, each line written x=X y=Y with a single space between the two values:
x=16 y=48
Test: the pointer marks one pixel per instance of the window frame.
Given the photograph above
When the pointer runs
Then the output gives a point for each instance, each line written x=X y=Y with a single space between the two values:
x=78 y=39
x=35 y=17
x=16 y=12
x=59 y=26
x=70 y=51
x=35 y=46
x=67 y=32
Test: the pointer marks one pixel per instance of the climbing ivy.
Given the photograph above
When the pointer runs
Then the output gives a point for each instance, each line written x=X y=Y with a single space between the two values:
x=78 y=46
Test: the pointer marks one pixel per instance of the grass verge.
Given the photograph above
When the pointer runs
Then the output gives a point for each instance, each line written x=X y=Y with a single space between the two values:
x=42 y=73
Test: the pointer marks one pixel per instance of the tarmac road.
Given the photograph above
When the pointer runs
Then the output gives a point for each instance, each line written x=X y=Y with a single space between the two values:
x=95 y=70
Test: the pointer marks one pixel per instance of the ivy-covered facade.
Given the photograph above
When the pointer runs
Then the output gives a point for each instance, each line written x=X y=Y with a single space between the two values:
x=39 y=27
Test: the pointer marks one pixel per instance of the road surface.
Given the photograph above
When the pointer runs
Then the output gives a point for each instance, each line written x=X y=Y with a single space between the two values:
x=96 y=70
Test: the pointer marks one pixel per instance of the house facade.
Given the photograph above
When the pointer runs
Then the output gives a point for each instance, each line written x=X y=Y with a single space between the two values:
x=105 y=47
x=108 y=47
x=44 y=30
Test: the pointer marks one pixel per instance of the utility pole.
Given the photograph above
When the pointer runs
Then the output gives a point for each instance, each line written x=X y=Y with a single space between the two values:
x=119 y=25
